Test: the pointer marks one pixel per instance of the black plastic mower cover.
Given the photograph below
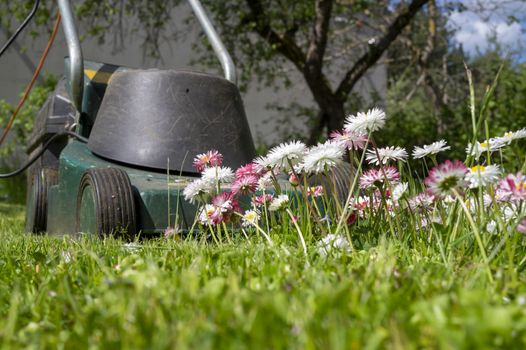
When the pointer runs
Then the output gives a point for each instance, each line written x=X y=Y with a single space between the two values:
x=149 y=116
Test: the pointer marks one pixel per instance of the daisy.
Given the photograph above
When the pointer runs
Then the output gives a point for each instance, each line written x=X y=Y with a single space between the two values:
x=280 y=202
x=386 y=154
x=399 y=190
x=265 y=182
x=250 y=218
x=281 y=155
x=323 y=157
x=422 y=200
x=248 y=169
x=350 y=140
x=218 y=174
x=205 y=214
x=197 y=190
x=332 y=241
x=512 y=187
x=446 y=176
x=480 y=176
x=371 y=121
x=376 y=177
x=426 y=150
x=264 y=199
x=315 y=192
x=514 y=135
x=490 y=145
x=245 y=185
x=210 y=158
x=262 y=163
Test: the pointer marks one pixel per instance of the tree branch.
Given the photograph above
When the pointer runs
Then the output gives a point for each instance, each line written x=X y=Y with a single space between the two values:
x=376 y=50
x=284 y=45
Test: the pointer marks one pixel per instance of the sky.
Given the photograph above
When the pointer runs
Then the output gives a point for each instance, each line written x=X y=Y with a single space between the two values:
x=484 y=19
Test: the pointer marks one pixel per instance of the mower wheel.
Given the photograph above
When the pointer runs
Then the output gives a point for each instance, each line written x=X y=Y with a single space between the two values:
x=36 y=204
x=105 y=203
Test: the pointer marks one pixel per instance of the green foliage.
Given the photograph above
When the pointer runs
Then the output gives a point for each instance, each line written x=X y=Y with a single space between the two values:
x=416 y=121
x=14 y=147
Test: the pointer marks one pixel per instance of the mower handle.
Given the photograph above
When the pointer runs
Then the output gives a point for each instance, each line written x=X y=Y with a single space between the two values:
x=219 y=48
x=76 y=62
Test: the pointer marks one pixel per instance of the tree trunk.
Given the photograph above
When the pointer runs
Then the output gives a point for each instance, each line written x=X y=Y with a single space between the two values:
x=331 y=117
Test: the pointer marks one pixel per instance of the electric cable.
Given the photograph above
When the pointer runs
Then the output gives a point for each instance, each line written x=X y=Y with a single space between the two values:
x=44 y=148
x=33 y=79
x=20 y=27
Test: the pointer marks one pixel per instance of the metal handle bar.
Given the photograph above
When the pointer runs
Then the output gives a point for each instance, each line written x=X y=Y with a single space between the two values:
x=76 y=62
x=219 y=48
x=76 y=67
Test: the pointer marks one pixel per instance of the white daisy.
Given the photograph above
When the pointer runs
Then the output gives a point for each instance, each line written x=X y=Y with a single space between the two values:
x=262 y=163
x=219 y=174
x=332 y=241
x=197 y=189
x=250 y=218
x=281 y=155
x=480 y=176
x=371 y=121
x=323 y=157
x=205 y=213
x=399 y=190
x=265 y=182
x=491 y=145
x=279 y=202
x=514 y=135
x=434 y=148
x=386 y=154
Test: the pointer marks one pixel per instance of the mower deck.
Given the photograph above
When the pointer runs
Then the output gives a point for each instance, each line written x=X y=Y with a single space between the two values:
x=154 y=195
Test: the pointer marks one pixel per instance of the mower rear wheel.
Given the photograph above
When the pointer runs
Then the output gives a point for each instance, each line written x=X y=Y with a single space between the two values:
x=105 y=204
x=36 y=203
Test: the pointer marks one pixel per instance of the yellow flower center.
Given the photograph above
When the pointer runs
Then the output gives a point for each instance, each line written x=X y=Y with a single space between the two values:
x=250 y=217
x=508 y=134
x=478 y=168
x=484 y=144
x=521 y=186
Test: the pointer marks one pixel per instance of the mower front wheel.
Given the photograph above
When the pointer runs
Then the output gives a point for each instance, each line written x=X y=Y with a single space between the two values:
x=105 y=204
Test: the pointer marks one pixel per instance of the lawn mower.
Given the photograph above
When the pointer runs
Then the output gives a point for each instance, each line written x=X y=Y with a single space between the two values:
x=135 y=133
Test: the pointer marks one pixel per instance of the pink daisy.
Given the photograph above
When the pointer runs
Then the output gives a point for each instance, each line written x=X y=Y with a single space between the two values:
x=446 y=176
x=351 y=139
x=263 y=199
x=224 y=206
x=210 y=158
x=249 y=169
x=245 y=184
x=512 y=187
x=422 y=200
x=315 y=192
x=376 y=177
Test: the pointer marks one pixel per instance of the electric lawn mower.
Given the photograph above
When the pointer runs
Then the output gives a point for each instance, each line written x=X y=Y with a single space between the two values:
x=136 y=127
x=112 y=147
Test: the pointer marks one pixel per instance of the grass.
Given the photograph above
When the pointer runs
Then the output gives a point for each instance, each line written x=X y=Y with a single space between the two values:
x=91 y=293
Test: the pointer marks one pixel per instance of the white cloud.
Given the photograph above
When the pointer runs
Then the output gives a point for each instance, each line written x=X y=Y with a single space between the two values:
x=474 y=28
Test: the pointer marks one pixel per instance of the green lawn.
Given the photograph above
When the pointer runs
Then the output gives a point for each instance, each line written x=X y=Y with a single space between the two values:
x=85 y=292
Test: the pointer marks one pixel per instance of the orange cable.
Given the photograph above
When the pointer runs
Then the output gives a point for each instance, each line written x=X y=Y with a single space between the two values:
x=33 y=79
